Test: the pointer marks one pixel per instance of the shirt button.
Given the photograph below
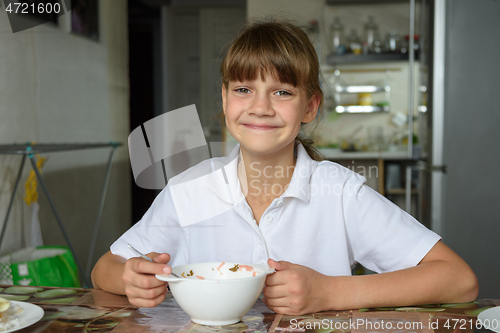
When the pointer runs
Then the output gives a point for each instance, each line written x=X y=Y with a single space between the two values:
x=260 y=241
x=269 y=218
x=279 y=203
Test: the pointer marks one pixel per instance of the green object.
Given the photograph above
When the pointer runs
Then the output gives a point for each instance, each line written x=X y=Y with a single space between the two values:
x=333 y=116
x=51 y=266
x=22 y=290
x=66 y=300
x=458 y=305
x=51 y=293
x=410 y=309
x=476 y=312
x=15 y=297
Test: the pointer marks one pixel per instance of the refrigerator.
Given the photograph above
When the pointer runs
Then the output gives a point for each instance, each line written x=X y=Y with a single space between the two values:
x=466 y=134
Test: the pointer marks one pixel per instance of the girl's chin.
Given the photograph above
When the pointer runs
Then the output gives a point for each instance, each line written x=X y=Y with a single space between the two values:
x=264 y=147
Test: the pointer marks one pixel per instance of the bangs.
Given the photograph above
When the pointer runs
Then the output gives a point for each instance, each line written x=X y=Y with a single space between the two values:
x=267 y=50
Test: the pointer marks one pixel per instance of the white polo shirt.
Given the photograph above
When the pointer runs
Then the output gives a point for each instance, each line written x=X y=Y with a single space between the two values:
x=327 y=219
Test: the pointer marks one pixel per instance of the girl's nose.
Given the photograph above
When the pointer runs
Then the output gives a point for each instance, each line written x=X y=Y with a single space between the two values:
x=261 y=106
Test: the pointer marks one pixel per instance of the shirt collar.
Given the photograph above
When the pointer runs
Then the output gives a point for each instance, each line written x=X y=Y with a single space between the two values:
x=225 y=183
x=223 y=180
x=299 y=186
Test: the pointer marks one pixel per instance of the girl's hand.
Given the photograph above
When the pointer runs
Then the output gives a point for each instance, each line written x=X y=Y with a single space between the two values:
x=142 y=288
x=295 y=289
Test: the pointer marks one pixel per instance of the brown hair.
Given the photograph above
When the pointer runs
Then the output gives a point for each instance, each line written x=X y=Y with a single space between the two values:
x=280 y=49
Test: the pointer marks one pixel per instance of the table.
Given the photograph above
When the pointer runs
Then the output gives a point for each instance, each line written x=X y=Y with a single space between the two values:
x=30 y=150
x=90 y=310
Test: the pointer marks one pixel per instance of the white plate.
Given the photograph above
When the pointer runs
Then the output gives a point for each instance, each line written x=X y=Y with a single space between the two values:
x=490 y=319
x=32 y=313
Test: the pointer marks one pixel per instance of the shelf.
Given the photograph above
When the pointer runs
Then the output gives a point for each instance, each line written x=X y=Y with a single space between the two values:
x=357 y=2
x=361 y=89
x=361 y=109
x=399 y=191
x=337 y=154
x=360 y=58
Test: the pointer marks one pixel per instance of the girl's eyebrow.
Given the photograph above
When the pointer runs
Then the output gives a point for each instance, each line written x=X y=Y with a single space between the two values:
x=278 y=85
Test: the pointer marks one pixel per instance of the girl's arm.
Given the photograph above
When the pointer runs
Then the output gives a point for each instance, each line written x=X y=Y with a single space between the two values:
x=441 y=277
x=107 y=274
x=134 y=277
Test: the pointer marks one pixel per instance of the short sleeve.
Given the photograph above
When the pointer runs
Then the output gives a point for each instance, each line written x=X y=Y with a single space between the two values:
x=157 y=231
x=382 y=237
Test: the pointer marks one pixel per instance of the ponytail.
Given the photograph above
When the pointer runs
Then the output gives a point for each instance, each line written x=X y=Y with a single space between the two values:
x=308 y=145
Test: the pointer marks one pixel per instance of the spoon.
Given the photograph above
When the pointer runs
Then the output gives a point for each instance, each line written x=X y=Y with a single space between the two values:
x=148 y=259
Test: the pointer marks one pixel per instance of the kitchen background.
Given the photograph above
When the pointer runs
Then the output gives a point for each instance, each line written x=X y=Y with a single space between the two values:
x=144 y=58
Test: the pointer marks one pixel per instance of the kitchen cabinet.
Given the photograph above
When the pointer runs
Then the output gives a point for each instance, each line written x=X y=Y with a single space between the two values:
x=364 y=92
x=407 y=72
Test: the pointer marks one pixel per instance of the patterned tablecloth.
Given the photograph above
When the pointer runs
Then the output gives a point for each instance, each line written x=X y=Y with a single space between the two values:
x=89 y=310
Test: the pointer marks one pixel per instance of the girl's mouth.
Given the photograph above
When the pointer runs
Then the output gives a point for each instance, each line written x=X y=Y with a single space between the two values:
x=260 y=127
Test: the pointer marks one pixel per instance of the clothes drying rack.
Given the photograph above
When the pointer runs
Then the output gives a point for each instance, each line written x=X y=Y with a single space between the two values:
x=29 y=150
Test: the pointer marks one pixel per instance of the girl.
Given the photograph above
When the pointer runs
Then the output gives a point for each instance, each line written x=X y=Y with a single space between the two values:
x=273 y=198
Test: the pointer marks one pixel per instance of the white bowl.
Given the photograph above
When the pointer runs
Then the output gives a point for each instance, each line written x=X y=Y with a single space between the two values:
x=215 y=293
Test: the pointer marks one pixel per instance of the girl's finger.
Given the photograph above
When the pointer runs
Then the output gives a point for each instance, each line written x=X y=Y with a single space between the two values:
x=276 y=302
x=151 y=293
x=140 y=265
x=149 y=282
x=146 y=303
x=276 y=279
x=161 y=258
x=275 y=291
x=146 y=281
x=281 y=309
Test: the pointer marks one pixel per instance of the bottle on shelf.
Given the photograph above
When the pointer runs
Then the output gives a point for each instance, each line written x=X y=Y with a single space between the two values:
x=392 y=42
x=354 y=42
x=377 y=44
x=314 y=36
x=370 y=29
x=406 y=43
x=337 y=35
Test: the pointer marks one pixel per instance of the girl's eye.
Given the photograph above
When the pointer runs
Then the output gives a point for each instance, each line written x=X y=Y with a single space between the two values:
x=243 y=90
x=283 y=93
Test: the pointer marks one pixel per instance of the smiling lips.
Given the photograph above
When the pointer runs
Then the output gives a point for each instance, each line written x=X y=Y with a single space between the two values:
x=260 y=126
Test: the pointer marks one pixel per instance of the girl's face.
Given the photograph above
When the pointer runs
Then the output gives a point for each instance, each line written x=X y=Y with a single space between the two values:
x=265 y=115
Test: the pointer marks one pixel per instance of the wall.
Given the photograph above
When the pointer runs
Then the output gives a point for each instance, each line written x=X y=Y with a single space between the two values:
x=57 y=87
x=196 y=39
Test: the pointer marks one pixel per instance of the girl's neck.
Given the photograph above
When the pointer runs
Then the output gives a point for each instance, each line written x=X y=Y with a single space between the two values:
x=266 y=176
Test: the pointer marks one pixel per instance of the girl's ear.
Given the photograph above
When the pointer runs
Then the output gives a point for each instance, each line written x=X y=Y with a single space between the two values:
x=312 y=109
x=224 y=92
